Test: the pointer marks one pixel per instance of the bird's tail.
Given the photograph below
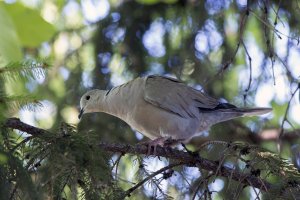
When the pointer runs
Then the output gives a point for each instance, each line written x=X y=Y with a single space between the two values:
x=231 y=113
x=222 y=115
x=253 y=111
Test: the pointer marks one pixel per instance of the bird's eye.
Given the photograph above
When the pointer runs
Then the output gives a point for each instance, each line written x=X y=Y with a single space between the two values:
x=88 y=97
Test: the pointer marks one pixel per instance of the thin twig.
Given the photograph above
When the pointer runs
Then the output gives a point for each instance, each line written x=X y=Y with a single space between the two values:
x=285 y=114
x=224 y=143
x=116 y=164
x=240 y=37
x=272 y=27
x=130 y=190
x=250 y=69
x=21 y=143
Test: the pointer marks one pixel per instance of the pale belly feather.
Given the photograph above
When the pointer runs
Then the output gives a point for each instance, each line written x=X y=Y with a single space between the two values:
x=154 y=122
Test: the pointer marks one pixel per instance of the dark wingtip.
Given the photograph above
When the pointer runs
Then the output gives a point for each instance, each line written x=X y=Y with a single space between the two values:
x=220 y=106
x=224 y=106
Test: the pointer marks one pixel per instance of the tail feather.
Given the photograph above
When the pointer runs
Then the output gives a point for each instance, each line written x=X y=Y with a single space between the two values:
x=245 y=112
x=221 y=115
x=254 y=111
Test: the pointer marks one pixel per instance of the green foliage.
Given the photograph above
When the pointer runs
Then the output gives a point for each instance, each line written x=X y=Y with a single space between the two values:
x=112 y=48
x=15 y=103
x=21 y=27
x=257 y=161
x=10 y=48
x=31 y=28
x=68 y=160
x=15 y=179
x=24 y=71
x=12 y=173
x=28 y=69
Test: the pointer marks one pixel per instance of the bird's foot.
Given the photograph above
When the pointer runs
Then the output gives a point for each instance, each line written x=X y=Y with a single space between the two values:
x=154 y=143
x=161 y=141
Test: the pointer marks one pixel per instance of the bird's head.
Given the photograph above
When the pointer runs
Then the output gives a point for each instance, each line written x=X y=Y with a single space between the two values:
x=90 y=101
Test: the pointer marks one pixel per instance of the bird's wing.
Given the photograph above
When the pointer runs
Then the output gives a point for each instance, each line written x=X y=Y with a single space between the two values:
x=176 y=97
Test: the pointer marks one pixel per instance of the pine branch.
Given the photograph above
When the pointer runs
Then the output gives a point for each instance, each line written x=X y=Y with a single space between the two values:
x=23 y=102
x=190 y=160
x=24 y=70
x=16 y=123
x=183 y=157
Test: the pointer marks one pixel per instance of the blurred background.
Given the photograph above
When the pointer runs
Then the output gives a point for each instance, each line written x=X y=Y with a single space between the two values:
x=243 y=52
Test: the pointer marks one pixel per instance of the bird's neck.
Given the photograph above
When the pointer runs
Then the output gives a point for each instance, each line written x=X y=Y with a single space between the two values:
x=115 y=103
x=121 y=100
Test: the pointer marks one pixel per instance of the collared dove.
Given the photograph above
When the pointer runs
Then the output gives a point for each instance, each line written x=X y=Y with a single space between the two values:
x=163 y=108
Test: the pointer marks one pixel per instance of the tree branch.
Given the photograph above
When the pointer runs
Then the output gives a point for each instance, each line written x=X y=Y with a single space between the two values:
x=190 y=160
x=182 y=157
x=16 y=123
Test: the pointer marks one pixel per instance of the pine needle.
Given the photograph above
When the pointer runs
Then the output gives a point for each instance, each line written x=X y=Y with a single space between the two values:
x=29 y=69
x=21 y=102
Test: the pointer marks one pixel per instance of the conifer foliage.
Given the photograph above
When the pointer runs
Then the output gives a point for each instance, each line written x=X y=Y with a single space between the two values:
x=244 y=52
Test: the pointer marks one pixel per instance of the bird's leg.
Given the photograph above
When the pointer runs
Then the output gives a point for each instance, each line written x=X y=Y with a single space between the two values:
x=161 y=141
x=153 y=143
x=171 y=142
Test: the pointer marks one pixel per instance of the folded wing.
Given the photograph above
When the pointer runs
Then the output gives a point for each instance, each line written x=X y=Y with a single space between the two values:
x=176 y=97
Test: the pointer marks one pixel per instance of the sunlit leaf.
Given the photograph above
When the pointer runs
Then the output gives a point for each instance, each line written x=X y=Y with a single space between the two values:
x=10 y=49
x=32 y=29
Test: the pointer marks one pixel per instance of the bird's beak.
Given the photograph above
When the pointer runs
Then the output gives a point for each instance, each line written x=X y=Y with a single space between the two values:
x=80 y=113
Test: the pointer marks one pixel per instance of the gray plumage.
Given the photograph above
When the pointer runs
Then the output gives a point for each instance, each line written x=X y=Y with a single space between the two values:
x=159 y=107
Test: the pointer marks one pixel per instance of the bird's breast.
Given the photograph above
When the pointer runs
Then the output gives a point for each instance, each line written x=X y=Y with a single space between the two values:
x=154 y=122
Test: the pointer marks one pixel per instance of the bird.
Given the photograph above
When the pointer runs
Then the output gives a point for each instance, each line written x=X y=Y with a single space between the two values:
x=163 y=108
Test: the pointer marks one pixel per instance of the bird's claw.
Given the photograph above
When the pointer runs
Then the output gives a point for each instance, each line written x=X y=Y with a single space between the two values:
x=162 y=141
x=154 y=143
